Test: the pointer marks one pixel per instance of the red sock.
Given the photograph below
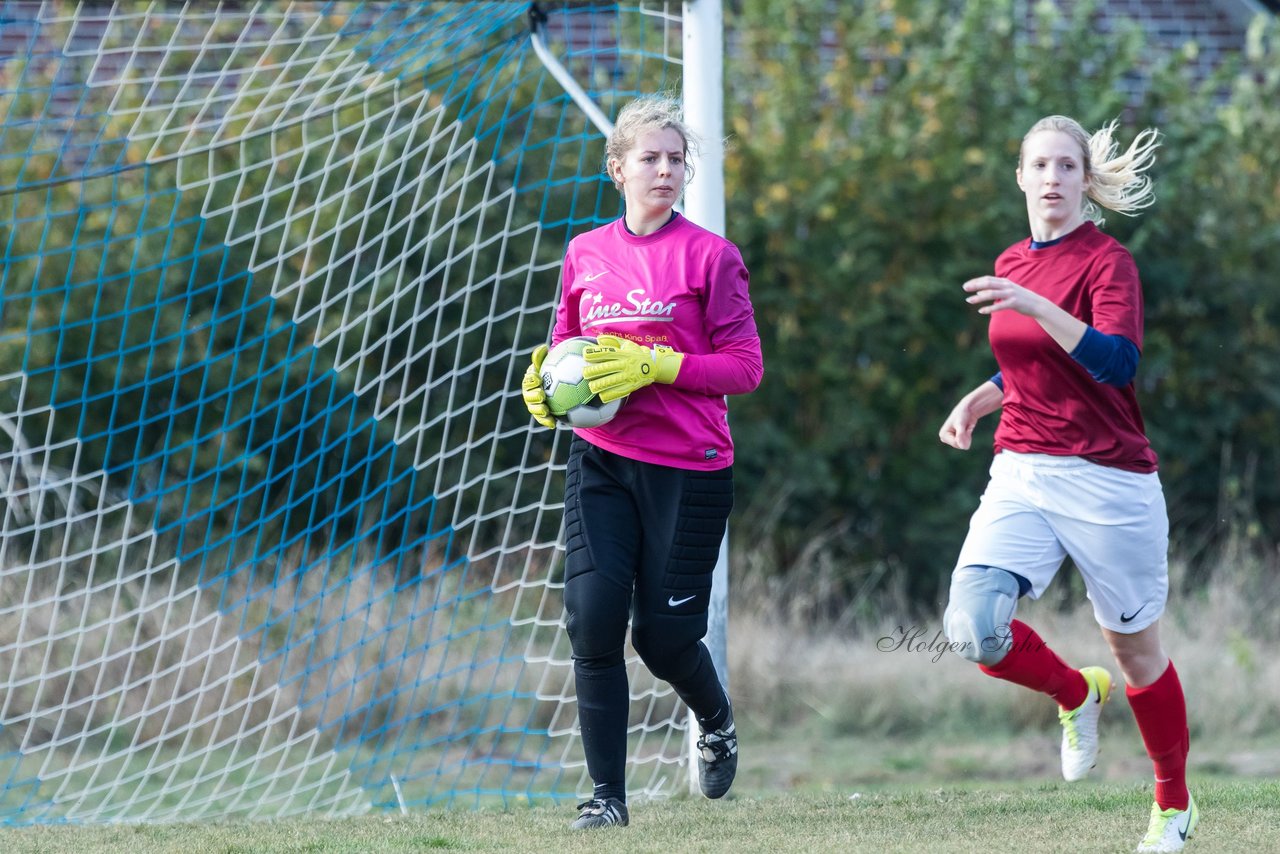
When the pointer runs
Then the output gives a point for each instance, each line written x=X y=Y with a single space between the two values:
x=1032 y=664
x=1161 y=711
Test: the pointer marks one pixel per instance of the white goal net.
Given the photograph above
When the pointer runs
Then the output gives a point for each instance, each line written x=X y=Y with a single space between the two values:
x=277 y=536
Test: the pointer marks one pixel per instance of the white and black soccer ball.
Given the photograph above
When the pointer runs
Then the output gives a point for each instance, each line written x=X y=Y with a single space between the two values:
x=568 y=396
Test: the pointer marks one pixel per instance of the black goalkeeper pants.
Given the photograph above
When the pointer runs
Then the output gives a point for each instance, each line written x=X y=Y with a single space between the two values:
x=642 y=542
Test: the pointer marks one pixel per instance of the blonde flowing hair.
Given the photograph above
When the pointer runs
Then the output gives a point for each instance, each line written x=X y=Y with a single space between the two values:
x=1117 y=181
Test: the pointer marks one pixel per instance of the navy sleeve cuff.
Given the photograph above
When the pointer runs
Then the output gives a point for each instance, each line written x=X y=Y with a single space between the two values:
x=998 y=379
x=1110 y=359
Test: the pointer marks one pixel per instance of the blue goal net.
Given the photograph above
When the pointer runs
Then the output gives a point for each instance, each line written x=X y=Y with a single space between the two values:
x=277 y=536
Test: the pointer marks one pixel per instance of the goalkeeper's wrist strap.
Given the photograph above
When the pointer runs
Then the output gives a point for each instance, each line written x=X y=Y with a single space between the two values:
x=667 y=364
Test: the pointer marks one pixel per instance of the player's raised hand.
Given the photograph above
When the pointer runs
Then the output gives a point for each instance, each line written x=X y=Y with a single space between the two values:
x=535 y=399
x=616 y=367
x=992 y=294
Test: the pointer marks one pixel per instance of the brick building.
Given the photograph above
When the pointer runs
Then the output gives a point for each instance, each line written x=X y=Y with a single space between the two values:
x=1217 y=27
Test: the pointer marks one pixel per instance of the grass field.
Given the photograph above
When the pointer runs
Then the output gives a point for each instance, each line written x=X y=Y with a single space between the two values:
x=1048 y=816
x=852 y=744
x=802 y=790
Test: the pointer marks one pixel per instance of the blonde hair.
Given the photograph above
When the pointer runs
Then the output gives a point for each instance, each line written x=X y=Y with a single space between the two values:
x=1115 y=181
x=646 y=113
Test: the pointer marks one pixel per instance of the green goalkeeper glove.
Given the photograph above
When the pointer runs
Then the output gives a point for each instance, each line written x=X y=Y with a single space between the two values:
x=535 y=399
x=616 y=367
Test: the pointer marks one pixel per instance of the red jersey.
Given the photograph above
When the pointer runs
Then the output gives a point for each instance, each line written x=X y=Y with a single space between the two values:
x=1051 y=404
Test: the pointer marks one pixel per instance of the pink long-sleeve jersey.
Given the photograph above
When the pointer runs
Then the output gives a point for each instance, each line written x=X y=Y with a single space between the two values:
x=682 y=287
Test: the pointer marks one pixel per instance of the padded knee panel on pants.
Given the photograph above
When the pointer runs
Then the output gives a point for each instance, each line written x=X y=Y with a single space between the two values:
x=982 y=603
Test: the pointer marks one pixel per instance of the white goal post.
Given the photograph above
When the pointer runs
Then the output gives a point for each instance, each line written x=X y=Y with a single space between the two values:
x=703 y=89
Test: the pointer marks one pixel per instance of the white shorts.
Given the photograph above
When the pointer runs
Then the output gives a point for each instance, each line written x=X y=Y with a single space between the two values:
x=1038 y=509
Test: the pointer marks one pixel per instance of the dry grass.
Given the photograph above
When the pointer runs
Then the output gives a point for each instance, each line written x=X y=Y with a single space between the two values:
x=112 y=676
x=153 y=692
x=891 y=679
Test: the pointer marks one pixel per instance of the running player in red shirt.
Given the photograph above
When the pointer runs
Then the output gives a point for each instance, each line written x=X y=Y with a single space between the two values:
x=1073 y=473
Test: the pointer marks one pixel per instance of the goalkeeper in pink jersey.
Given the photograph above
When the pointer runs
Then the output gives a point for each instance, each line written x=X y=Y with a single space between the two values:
x=1073 y=472
x=648 y=494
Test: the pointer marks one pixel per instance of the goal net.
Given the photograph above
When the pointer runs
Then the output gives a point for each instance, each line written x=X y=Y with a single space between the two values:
x=277 y=534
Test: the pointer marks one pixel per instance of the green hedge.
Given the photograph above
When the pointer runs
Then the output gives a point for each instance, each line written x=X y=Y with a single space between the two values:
x=871 y=171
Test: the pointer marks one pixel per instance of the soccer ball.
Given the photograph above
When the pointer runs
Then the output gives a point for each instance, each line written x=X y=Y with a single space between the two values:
x=568 y=397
